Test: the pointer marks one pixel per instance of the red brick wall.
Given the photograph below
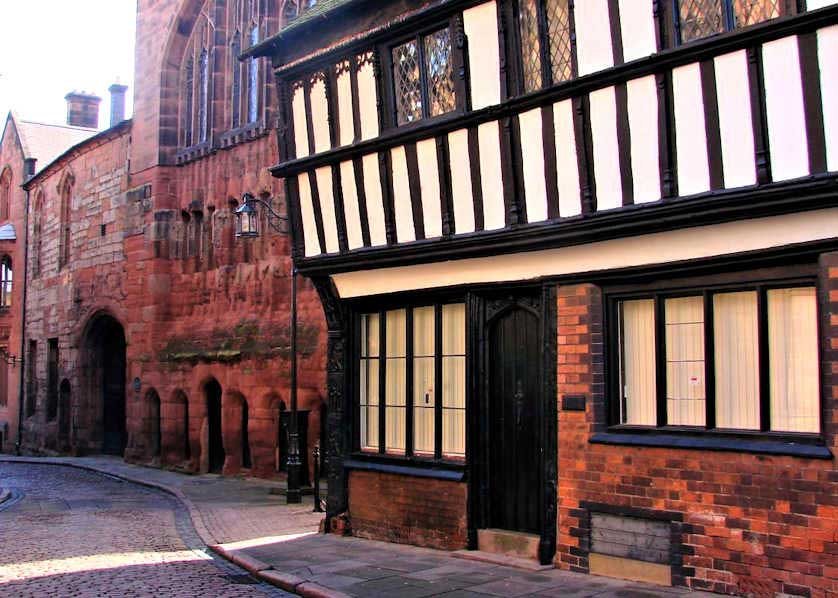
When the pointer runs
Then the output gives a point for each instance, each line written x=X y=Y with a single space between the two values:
x=408 y=510
x=751 y=524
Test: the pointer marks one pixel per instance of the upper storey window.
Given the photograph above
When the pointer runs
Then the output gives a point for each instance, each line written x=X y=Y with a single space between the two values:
x=246 y=22
x=195 y=84
x=5 y=193
x=545 y=48
x=703 y=18
x=423 y=76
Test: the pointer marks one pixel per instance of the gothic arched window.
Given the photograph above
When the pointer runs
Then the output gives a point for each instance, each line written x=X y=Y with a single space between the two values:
x=195 y=78
x=37 y=227
x=249 y=22
x=66 y=191
x=5 y=282
x=5 y=193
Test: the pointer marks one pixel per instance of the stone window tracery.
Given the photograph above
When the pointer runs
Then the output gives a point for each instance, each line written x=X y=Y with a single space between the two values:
x=248 y=22
x=196 y=84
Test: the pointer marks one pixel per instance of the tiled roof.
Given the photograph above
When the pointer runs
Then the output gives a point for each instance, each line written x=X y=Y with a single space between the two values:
x=319 y=10
x=46 y=142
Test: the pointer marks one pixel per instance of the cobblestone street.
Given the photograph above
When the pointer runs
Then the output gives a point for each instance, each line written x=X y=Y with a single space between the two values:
x=67 y=532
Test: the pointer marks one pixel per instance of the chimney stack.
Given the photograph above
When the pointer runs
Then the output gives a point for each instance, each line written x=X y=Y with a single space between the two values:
x=83 y=109
x=117 y=103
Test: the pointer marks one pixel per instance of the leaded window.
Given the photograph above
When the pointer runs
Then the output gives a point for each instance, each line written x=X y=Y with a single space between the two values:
x=702 y=18
x=66 y=191
x=719 y=359
x=423 y=77
x=196 y=82
x=248 y=21
x=545 y=47
x=5 y=193
x=411 y=382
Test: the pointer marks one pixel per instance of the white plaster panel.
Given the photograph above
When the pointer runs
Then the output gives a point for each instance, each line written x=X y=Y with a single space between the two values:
x=298 y=108
x=637 y=27
x=828 y=61
x=737 y=131
x=368 y=108
x=326 y=193
x=784 y=109
x=491 y=177
x=320 y=117
x=609 y=191
x=375 y=200
x=593 y=36
x=815 y=4
x=481 y=26
x=690 y=134
x=405 y=230
x=310 y=239
x=532 y=151
x=351 y=208
x=429 y=181
x=461 y=190
x=567 y=167
x=346 y=121
x=642 y=101
x=658 y=248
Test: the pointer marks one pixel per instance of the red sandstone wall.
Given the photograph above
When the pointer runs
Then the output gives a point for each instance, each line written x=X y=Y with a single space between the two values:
x=408 y=510
x=10 y=329
x=752 y=524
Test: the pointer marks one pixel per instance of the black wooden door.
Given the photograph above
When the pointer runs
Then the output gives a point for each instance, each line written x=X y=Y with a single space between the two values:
x=216 y=438
x=113 y=391
x=515 y=468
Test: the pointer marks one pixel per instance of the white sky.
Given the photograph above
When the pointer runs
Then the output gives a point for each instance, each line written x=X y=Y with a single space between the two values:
x=51 y=47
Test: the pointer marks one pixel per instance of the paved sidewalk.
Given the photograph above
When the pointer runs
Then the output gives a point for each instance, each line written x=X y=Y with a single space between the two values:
x=239 y=519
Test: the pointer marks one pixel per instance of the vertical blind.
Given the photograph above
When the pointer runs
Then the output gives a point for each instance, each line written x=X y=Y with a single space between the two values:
x=769 y=331
x=434 y=367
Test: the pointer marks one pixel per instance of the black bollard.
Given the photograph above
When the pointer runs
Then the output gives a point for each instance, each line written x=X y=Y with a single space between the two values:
x=316 y=454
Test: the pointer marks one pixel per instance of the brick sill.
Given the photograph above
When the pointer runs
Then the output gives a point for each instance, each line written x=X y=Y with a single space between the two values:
x=418 y=472
x=715 y=443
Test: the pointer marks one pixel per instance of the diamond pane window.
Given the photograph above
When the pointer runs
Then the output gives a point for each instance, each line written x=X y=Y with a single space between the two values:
x=423 y=75
x=700 y=18
x=440 y=72
x=408 y=84
x=703 y=18
x=530 y=45
x=751 y=12
x=558 y=35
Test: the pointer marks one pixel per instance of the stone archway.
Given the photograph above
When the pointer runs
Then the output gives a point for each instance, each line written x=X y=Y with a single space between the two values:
x=104 y=364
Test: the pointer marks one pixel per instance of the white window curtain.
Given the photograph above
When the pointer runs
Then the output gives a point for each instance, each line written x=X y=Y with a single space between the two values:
x=395 y=381
x=685 y=392
x=638 y=362
x=793 y=355
x=424 y=387
x=368 y=394
x=736 y=338
x=454 y=380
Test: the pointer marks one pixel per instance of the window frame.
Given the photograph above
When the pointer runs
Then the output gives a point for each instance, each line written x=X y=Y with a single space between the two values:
x=613 y=349
x=408 y=457
x=385 y=51
x=516 y=49
x=794 y=7
x=6 y=282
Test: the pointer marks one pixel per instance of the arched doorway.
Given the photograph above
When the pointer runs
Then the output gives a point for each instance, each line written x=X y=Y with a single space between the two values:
x=154 y=431
x=212 y=390
x=105 y=367
x=246 y=460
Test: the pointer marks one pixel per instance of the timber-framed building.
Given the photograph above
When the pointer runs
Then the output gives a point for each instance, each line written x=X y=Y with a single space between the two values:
x=578 y=264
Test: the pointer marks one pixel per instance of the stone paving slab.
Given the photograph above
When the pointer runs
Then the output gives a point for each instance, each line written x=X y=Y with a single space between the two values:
x=239 y=519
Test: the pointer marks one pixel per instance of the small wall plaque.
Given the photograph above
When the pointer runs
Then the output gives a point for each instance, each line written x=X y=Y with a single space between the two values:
x=137 y=385
x=573 y=403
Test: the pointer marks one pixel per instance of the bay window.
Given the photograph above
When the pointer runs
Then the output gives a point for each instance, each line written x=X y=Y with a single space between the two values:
x=411 y=382
x=723 y=359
